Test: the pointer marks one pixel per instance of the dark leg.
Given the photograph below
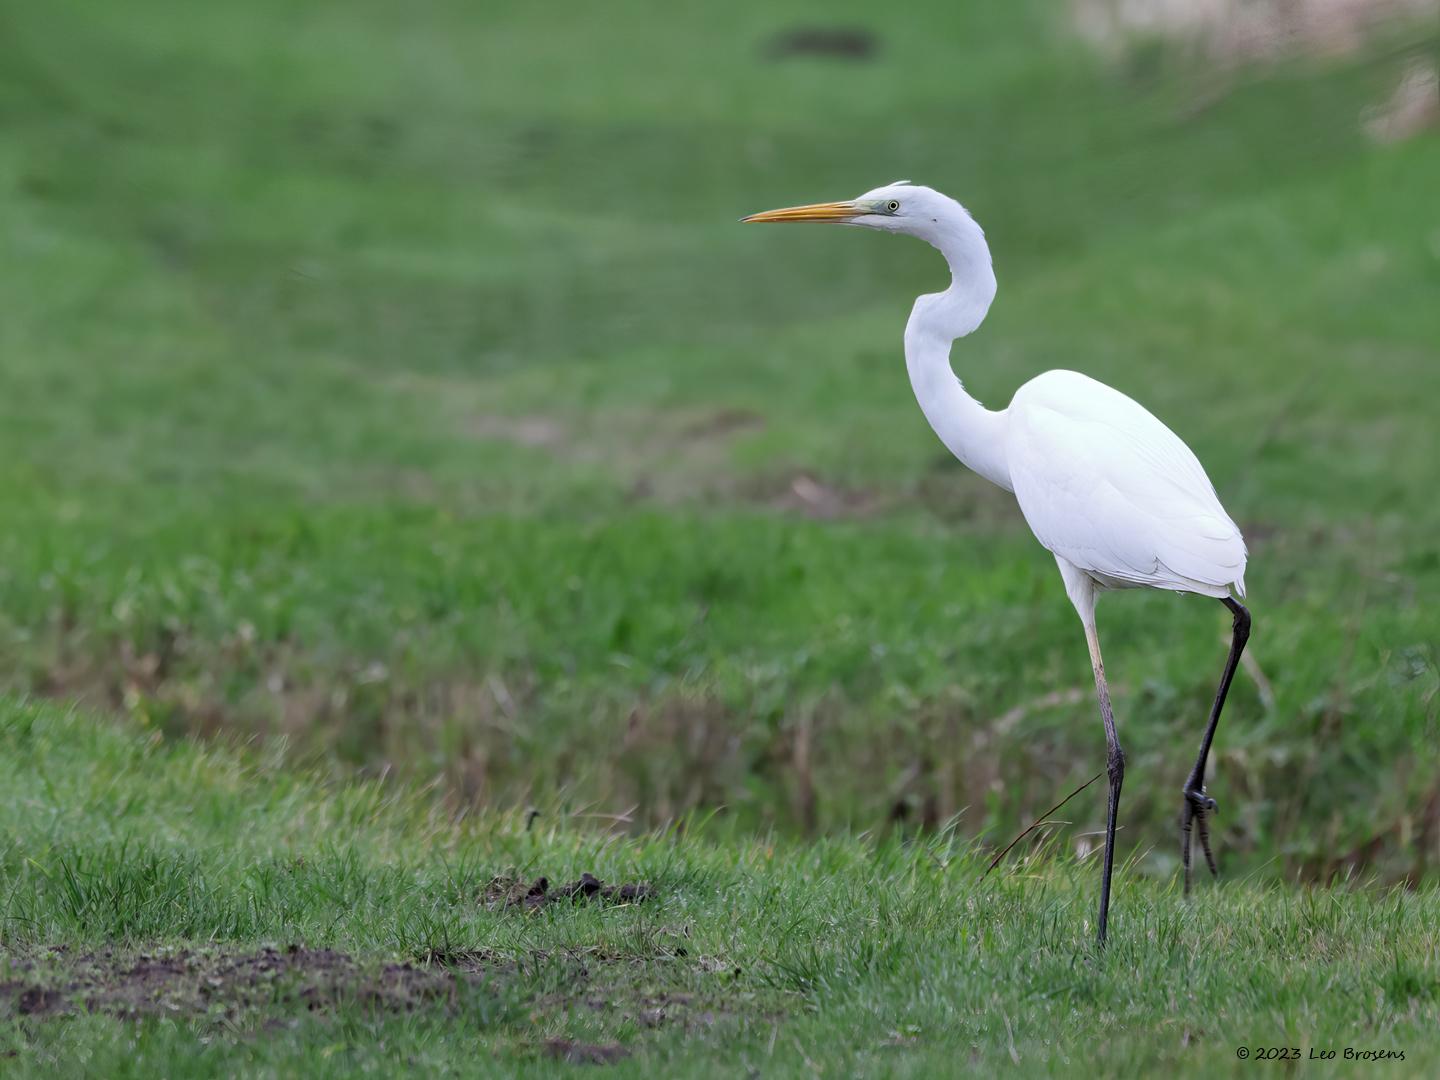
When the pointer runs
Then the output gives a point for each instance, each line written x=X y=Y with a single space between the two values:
x=1198 y=806
x=1115 y=766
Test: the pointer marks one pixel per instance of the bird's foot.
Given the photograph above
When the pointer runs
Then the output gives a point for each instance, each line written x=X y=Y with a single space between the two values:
x=1195 y=814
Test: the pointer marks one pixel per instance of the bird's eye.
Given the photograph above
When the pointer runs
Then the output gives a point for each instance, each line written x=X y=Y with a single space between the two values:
x=892 y=206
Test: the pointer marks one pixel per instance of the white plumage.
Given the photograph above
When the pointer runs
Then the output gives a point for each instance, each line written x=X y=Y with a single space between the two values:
x=1112 y=492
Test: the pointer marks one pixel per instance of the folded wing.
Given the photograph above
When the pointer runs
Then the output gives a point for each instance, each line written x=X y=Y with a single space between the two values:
x=1107 y=486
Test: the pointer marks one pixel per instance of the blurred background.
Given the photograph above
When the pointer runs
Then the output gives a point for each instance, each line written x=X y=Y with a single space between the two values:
x=390 y=384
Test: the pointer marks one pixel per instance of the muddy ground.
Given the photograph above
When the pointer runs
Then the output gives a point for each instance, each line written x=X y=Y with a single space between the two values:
x=224 y=984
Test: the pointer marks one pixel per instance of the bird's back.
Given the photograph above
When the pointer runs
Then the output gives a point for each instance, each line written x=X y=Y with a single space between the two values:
x=1108 y=487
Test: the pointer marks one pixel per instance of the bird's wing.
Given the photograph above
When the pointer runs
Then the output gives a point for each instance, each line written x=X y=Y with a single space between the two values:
x=1110 y=488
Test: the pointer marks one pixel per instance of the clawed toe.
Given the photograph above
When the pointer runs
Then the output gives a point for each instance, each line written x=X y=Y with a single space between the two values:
x=1195 y=815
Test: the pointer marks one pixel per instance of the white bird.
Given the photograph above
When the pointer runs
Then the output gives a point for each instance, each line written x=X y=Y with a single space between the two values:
x=1107 y=488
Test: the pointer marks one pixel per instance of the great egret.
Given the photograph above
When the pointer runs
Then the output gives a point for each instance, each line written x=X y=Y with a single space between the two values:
x=1112 y=492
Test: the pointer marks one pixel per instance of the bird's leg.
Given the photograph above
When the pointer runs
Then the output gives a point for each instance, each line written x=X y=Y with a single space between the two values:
x=1115 y=767
x=1197 y=806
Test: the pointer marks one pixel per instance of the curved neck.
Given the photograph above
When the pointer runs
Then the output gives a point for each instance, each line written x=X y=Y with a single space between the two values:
x=972 y=432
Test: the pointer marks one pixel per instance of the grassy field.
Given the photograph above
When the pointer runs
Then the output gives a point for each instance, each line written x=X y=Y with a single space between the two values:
x=143 y=926
x=390 y=387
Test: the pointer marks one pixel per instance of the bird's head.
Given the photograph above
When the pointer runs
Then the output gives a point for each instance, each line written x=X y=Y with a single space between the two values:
x=900 y=207
x=942 y=223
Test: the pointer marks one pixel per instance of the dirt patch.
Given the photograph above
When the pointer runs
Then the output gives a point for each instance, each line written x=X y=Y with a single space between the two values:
x=508 y=892
x=814 y=498
x=38 y=1001
x=830 y=42
x=722 y=423
x=201 y=983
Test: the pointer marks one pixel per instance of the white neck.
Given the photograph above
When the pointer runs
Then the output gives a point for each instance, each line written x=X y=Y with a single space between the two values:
x=972 y=432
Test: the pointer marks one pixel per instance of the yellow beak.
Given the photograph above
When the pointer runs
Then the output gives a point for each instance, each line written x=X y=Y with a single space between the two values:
x=825 y=211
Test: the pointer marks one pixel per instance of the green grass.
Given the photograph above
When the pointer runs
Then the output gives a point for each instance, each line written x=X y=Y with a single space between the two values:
x=391 y=387
x=410 y=391
x=843 y=955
